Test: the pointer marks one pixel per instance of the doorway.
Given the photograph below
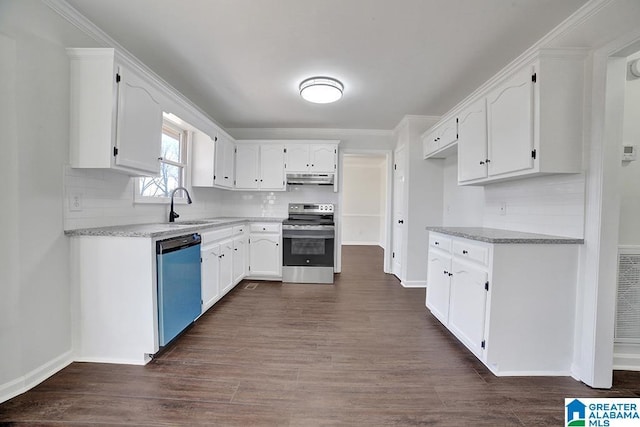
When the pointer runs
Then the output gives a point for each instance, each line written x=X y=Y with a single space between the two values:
x=365 y=199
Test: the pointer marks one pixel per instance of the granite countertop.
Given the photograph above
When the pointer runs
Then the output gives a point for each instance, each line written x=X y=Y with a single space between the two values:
x=167 y=228
x=494 y=235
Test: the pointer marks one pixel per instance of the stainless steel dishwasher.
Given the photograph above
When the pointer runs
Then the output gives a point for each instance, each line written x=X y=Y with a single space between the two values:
x=179 y=288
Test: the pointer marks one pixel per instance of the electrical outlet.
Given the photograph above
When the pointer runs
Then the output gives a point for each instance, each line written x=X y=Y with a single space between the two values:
x=503 y=208
x=75 y=202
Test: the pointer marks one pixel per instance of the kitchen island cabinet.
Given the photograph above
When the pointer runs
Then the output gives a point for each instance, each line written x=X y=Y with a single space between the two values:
x=507 y=297
x=114 y=282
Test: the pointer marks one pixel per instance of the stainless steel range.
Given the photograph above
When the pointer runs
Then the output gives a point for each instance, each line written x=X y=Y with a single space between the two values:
x=308 y=243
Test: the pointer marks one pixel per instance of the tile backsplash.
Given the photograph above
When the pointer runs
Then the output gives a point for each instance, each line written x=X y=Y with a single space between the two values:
x=548 y=205
x=107 y=199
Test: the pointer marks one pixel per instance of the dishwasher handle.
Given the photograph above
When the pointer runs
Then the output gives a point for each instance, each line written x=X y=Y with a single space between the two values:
x=177 y=243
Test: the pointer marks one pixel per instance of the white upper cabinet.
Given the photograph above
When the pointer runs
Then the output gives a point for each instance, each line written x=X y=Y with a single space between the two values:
x=323 y=157
x=260 y=166
x=247 y=166
x=212 y=160
x=224 y=162
x=297 y=158
x=311 y=157
x=272 y=167
x=510 y=124
x=203 y=154
x=533 y=122
x=437 y=139
x=472 y=142
x=116 y=116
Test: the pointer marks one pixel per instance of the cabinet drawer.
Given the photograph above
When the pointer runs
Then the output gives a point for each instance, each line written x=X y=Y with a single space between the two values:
x=264 y=227
x=440 y=242
x=239 y=229
x=477 y=253
x=212 y=236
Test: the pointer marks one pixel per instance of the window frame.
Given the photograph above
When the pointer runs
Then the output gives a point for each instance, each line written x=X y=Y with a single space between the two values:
x=185 y=150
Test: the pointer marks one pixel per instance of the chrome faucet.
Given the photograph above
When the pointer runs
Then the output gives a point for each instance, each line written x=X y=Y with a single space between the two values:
x=173 y=214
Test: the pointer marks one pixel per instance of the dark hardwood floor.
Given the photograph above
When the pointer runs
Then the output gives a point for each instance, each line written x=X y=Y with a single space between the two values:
x=363 y=352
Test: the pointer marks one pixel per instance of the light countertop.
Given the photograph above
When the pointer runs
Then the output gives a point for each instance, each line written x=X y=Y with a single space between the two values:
x=494 y=235
x=166 y=228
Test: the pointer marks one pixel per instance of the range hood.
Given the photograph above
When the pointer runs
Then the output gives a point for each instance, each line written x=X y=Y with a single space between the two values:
x=310 y=179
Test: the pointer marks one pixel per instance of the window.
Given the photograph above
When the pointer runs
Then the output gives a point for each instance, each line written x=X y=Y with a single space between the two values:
x=173 y=168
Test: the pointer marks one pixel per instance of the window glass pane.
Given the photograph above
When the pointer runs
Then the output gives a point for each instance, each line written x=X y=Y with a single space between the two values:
x=171 y=146
x=170 y=178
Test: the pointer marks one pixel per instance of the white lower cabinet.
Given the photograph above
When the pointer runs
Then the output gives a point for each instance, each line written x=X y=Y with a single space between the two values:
x=226 y=266
x=438 y=279
x=240 y=263
x=467 y=304
x=210 y=275
x=265 y=251
x=511 y=305
x=224 y=262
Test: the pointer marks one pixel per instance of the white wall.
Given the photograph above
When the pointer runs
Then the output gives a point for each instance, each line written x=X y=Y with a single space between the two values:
x=423 y=198
x=463 y=206
x=627 y=355
x=630 y=171
x=364 y=193
x=35 y=324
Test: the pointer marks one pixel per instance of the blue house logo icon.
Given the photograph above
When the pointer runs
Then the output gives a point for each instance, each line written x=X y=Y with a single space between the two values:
x=576 y=413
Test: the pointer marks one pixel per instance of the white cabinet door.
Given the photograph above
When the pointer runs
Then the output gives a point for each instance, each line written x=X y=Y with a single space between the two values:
x=297 y=158
x=510 y=124
x=265 y=255
x=322 y=157
x=139 y=124
x=448 y=133
x=430 y=143
x=210 y=276
x=272 y=167
x=239 y=258
x=203 y=168
x=468 y=298
x=226 y=266
x=247 y=166
x=224 y=162
x=438 y=278
x=472 y=142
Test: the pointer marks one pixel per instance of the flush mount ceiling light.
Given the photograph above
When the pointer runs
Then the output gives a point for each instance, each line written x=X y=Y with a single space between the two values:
x=321 y=90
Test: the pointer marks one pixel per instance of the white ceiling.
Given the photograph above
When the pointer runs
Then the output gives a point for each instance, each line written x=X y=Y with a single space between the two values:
x=242 y=60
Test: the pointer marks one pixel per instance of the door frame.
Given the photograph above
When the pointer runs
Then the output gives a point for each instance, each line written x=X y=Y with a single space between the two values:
x=596 y=293
x=388 y=155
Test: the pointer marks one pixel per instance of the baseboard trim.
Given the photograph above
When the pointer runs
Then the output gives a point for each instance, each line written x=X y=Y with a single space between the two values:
x=414 y=283
x=35 y=377
x=532 y=373
x=113 y=361
x=626 y=362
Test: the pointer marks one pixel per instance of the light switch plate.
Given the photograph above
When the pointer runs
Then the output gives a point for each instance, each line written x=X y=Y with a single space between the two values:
x=75 y=202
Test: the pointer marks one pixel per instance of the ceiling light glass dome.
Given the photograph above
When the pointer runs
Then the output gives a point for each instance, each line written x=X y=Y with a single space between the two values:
x=321 y=90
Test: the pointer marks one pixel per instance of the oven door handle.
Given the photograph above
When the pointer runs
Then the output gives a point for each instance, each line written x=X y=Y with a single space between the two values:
x=322 y=236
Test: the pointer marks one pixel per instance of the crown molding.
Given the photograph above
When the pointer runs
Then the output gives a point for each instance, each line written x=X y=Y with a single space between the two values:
x=330 y=132
x=74 y=17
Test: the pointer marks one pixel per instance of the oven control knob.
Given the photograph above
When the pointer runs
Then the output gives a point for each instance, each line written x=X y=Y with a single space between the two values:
x=307 y=261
